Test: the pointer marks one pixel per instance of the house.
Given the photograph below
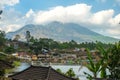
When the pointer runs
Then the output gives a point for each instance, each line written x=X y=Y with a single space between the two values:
x=34 y=57
x=39 y=73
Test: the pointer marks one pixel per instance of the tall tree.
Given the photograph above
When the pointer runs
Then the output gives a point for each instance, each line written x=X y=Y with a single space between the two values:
x=28 y=36
x=17 y=37
x=1 y=12
x=2 y=38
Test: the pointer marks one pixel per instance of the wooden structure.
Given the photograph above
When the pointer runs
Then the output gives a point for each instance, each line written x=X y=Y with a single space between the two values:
x=39 y=73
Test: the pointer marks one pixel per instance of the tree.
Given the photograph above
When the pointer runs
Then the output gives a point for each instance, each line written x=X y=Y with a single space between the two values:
x=9 y=50
x=2 y=72
x=104 y=55
x=36 y=47
x=17 y=37
x=1 y=12
x=70 y=73
x=28 y=36
x=109 y=59
x=59 y=70
x=94 y=67
x=2 y=38
x=114 y=62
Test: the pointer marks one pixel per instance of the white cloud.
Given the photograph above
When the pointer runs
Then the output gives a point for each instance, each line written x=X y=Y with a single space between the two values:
x=8 y=2
x=12 y=27
x=11 y=20
x=74 y=13
x=102 y=17
x=29 y=13
x=115 y=21
x=113 y=32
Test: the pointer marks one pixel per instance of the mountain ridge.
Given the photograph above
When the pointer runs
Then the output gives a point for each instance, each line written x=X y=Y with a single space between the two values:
x=61 y=32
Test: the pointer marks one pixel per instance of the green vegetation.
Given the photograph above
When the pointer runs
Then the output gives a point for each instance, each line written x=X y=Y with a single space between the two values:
x=4 y=78
x=9 y=49
x=2 y=72
x=94 y=67
x=59 y=70
x=35 y=46
x=114 y=62
x=2 y=39
x=69 y=73
x=108 y=59
x=16 y=63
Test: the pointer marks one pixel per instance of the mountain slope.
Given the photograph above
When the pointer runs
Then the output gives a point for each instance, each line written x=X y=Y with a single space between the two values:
x=61 y=32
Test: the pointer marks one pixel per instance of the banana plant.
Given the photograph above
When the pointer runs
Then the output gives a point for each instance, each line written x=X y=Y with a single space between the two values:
x=114 y=62
x=93 y=66
x=104 y=54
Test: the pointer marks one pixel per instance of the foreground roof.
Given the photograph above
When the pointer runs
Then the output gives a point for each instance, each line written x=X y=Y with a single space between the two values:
x=5 y=64
x=39 y=73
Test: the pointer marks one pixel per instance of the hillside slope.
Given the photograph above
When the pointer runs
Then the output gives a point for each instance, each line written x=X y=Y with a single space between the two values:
x=61 y=32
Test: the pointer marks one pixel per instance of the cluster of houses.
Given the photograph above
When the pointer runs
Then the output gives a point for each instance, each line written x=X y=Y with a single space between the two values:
x=65 y=56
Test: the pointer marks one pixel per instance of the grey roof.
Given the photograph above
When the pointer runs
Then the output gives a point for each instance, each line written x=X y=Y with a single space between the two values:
x=5 y=64
x=39 y=73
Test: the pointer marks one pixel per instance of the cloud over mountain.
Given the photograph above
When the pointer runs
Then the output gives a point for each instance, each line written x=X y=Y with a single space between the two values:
x=81 y=14
x=103 y=21
x=61 y=32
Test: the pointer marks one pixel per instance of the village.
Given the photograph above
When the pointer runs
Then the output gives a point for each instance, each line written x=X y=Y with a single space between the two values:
x=69 y=57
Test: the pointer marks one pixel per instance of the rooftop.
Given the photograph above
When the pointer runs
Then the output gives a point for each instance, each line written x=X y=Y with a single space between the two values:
x=39 y=73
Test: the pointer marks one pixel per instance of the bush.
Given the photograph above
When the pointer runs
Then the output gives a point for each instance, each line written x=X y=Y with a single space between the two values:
x=16 y=63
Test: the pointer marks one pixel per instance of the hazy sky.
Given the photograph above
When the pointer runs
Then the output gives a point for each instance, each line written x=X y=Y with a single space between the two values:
x=102 y=16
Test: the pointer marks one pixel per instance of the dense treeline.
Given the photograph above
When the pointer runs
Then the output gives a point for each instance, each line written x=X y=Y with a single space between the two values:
x=51 y=44
x=36 y=45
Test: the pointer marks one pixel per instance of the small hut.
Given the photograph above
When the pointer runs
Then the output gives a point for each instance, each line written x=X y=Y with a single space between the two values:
x=39 y=73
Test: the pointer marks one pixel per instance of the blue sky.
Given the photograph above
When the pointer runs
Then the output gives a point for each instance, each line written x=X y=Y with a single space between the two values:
x=101 y=16
x=25 y=5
